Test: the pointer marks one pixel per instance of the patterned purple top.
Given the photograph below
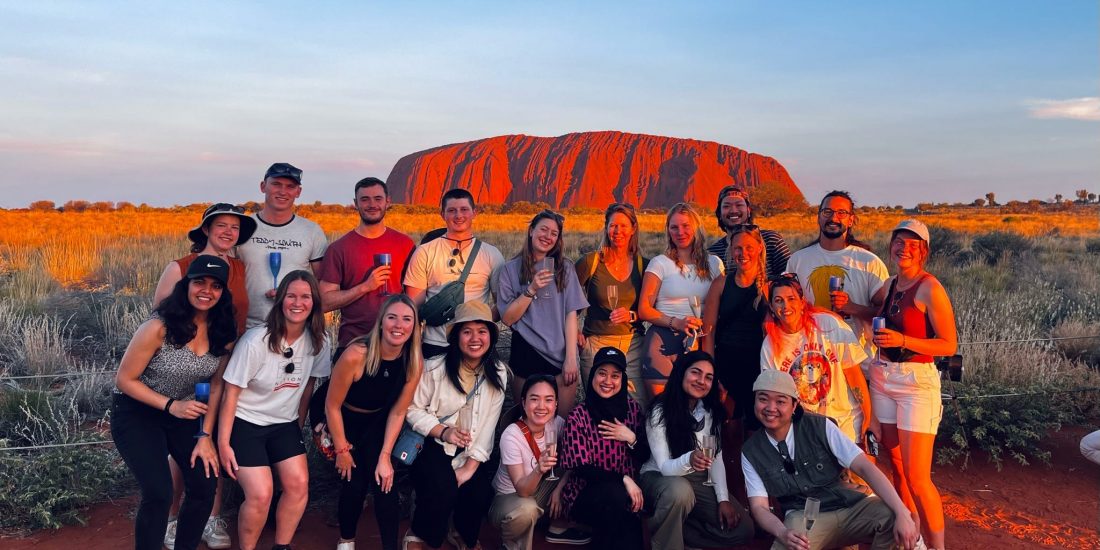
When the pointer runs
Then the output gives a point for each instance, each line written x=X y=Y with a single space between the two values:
x=582 y=445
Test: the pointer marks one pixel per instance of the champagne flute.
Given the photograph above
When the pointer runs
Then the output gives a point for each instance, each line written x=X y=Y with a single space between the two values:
x=202 y=395
x=550 y=441
x=612 y=297
x=465 y=419
x=813 y=506
x=547 y=265
x=275 y=262
x=709 y=446
x=696 y=311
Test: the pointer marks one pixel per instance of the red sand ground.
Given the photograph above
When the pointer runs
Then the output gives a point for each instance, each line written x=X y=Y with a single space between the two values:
x=1056 y=507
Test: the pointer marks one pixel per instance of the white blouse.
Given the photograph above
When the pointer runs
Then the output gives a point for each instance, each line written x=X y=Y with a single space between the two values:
x=437 y=397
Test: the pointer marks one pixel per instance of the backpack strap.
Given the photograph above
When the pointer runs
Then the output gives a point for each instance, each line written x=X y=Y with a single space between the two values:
x=470 y=263
x=530 y=439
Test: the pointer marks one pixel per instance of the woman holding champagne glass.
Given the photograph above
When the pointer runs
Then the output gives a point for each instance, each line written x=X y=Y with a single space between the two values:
x=269 y=381
x=684 y=479
x=685 y=270
x=528 y=454
x=612 y=279
x=538 y=296
x=154 y=411
x=449 y=474
x=905 y=385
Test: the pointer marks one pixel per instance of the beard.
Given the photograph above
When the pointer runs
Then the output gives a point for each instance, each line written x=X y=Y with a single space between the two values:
x=833 y=233
x=367 y=219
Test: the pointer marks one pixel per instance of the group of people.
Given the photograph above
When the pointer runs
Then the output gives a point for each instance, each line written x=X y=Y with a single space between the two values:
x=633 y=378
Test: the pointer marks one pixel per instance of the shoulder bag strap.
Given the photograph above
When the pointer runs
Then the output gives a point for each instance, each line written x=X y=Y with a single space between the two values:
x=530 y=439
x=470 y=263
x=889 y=296
x=469 y=397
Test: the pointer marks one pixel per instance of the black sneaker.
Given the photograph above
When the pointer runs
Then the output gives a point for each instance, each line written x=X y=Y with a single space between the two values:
x=571 y=536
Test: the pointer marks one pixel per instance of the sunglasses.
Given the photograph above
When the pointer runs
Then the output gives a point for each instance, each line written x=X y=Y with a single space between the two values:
x=288 y=353
x=285 y=172
x=551 y=214
x=453 y=261
x=611 y=207
x=743 y=228
x=788 y=465
x=895 y=304
x=223 y=207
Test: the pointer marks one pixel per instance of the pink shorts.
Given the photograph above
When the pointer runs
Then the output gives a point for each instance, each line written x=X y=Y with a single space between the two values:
x=907 y=394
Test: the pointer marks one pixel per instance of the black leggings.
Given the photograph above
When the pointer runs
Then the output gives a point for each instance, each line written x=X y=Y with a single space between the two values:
x=605 y=507
x=144 y=436
x=365 y=432
x=438 y=496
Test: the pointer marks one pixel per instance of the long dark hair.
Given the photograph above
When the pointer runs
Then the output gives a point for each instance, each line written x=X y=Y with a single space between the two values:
x=276 y=319
x=527 y=254
x=490 y=363
x=179 y=319
x=849 y=237
x=671 y=407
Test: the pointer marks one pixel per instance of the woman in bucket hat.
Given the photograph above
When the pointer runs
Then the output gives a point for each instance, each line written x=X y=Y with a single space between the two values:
x=451 y=475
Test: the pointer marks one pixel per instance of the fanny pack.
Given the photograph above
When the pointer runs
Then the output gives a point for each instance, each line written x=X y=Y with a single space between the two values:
x=410 y=442
x=440 y=308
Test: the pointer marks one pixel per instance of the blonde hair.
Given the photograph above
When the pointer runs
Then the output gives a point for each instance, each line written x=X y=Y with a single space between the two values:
x=698 y=242
x=373 y=341
x=761 y=260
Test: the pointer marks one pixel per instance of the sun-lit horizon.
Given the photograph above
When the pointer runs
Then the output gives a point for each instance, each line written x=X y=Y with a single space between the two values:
x=900 y=104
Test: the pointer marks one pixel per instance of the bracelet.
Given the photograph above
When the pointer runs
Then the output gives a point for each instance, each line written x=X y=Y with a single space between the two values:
x=443 y=434
x=345 y=449
x=168 y=405
x=527 y=292
x=670 y=318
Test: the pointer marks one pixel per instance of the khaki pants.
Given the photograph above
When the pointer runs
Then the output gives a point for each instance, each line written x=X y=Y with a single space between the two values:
x=516 y=516
x=631 y=345
x=868 y=521
x=685 y=512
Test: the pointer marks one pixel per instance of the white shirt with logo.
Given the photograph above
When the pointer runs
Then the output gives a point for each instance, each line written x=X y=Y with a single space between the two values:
x=269 y=394
x=298 y=242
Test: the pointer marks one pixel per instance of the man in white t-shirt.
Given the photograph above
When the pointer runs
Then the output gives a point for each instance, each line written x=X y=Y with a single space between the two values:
x=838 y=253
x=440 y=261
x=802 y=455
x=299 y=243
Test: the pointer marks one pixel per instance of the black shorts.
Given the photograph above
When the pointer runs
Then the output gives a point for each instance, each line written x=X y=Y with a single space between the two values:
x=257 y=445
x=525 y=362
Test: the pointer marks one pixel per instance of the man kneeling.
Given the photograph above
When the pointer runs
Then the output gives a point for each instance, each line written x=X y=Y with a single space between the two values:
x=800 y=455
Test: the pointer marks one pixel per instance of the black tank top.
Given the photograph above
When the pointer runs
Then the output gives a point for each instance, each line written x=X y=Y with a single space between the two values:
x=740 y=317
x=381 y=390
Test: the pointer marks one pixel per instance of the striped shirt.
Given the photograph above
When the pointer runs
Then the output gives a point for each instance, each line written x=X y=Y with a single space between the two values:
x=776 y=247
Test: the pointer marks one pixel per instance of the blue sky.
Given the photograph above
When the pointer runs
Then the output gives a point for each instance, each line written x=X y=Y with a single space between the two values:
x=898 y=102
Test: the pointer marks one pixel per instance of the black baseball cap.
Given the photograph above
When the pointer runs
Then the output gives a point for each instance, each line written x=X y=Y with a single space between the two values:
x=284 y=170
x=209 y=266
x=610 y=355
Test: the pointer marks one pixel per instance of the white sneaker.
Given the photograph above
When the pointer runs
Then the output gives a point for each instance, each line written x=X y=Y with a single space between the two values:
x=170 y=535
x=345 y=545
x=215 y=534
x=920 y=544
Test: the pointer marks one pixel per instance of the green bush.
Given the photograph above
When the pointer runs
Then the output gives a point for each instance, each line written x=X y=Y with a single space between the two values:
x=946 y=243
x=50 y=487
x=998 y=245
x=1002 y=427
x=1093 y=246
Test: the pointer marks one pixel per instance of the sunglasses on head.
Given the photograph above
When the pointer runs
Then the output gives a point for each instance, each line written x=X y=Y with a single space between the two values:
x=611 y=207
x=554 y=215
x=743 y=228
x=223 y=206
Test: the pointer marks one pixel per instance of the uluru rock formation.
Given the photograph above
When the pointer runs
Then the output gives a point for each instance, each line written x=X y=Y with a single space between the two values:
x=584 y=169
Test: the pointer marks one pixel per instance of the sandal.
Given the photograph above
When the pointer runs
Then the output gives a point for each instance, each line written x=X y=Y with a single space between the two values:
x=411 y=538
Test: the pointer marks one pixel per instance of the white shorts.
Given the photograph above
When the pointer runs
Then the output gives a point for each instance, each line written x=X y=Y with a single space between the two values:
x=907 y=394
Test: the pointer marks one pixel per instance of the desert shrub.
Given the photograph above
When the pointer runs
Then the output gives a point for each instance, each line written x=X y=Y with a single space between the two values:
x=1003 y=426
x=945 y=242
x=1081 y=342
x=998 y=245
x=1092 y=246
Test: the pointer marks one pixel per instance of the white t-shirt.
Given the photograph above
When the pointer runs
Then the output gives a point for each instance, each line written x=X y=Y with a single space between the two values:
x=269 y=394
x=428 y=269
x=842 y=448
x=863 y=274
x=299 y=242
x=678 y=284
x=514 y=449
x=817 y=365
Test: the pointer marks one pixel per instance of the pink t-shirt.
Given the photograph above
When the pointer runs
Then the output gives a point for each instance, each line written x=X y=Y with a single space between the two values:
x=349 y=261
x=514 y=449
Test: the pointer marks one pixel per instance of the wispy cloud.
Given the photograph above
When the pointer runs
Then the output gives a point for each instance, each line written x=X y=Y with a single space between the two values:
x=1081 y=108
